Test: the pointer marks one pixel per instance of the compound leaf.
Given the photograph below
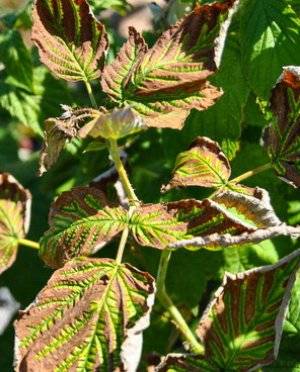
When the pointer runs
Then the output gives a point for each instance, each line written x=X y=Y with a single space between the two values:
x=165 y=82
x=229 y=219
x=80 y=224
x=242 y=326
x=70 y=40
x=15 y=203
x=204 y=164
x=90 y=316
x=282 y=136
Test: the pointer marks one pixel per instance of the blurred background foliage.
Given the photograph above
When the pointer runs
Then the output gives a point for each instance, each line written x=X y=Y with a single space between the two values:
x=264 y=36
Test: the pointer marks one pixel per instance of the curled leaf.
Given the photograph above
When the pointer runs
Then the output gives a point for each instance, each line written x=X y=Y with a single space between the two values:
x=87 y=317
x=117 y=124
x=229 y=219
x=70 y=40
x=282 y=136
x=204 y=164
x=165 y=82
x=59 y=130
x=242 y=326
x=15 y=206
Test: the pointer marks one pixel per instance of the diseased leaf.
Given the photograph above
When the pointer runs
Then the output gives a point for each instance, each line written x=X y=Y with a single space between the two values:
x=242 y=326
x=15 y=204
x=282 y=136
x=204 y=164
x=151 y=225
x=88 y=317
x=229 y=219
x=165 y=82
x=80 y=224
x=59 y=130
x=70 y=40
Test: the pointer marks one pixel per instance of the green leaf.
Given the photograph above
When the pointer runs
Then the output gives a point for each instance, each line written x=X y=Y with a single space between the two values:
x=204 y=164
x=70 y=40
x=90 y=316
x=32 y=108
x=120 y=6
x=282 y=136
x=242 y=326
x=270 y=35
x=17 y=60
x=165 y=82
x=80 y=224
x=15 y=203
x=229 y=219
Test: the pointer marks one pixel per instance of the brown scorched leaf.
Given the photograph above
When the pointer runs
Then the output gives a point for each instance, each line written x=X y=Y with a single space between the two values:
x=165 y=82
x=70 y=40
x=15 y=205
x=203 y=164
x=59 y=130
x=242 y=326
x=89 y=317
x=229 y=219
x=282 y=136
x=80 y=224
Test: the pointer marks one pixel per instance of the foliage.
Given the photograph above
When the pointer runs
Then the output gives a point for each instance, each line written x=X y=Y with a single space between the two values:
x=159 y=160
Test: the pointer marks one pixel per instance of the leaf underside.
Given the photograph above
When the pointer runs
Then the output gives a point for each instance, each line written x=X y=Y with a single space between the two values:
x=88 y=317
x=165 y=82
x=242 y=326
x=70 y=40
x=15 y=204
x=282 y=136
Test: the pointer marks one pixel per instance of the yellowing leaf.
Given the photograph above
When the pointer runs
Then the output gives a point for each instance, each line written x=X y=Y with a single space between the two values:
x=282 y=137
x=204 y=164
x=165 y=82
x=242 y=326
x=89 y=317
x=70 y=40
x=15 y=204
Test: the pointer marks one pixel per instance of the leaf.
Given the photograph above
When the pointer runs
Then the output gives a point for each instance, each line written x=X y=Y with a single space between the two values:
x=70 y=40
x=16 y=59
x=32 y=108
x=15 y=204
x=282 y=136
x=229 y=219
x=80 y=224
x=120 y=6
x=242 y=326
x=270 y=37
x=204 y=164
x=90 y=316
x=59 y=130
x=151 y=225
x=165 y=82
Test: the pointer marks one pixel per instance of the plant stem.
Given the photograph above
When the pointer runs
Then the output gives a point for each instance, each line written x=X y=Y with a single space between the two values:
x=115 y=154
x=29 y=243
x=122 y=244
x=252 y=172
x=90 y=93
x=165 y=300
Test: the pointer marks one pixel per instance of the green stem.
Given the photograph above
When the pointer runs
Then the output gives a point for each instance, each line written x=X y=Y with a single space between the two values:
x=122 y=245
x=29 y=243
x=165 y=300
x=90 y=93
x=115 y=154
x=252 y=172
